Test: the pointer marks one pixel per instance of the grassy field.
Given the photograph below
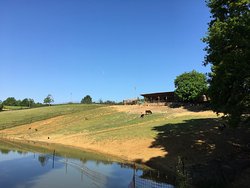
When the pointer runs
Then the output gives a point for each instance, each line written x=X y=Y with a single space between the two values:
x=14 y=117
x=98 y=122
x=157 y=140
x=14 y=107
x=109 y=129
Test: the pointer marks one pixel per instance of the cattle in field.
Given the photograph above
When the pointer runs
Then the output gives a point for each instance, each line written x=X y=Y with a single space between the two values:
x=147 y=112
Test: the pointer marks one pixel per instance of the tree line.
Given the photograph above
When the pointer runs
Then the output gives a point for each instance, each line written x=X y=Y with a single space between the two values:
x=30 y=103
x=27 y=102
x=88 y=100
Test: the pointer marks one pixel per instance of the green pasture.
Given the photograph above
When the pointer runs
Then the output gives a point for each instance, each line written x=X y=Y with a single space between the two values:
x=19 y=117
x=96 y=122
x=14 y=107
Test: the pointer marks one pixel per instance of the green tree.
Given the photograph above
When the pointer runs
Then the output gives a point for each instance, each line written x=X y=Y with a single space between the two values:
x=10 y=101
x=27 y=102
x=18 y=103
x=228 y=53
x=1 y=105
x=48 y=100
x=190 y=86
x=86 y=100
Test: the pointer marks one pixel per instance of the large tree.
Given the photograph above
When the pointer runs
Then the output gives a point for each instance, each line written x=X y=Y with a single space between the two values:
x=87 y=100
x=228 y=53
x=1 y=105
x=10 y=101
x=48 y=100
x=27 y=102
x=190 y=86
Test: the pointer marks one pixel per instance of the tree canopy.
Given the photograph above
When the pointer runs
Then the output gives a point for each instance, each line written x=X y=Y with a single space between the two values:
x=86 y=100
x=1 y=105
x=228 y=53
x=10 y=101
x=27 y=102
x=48 y=100
x=190 y=86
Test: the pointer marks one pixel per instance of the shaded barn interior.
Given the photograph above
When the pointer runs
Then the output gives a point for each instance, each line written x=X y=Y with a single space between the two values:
x=159 y=97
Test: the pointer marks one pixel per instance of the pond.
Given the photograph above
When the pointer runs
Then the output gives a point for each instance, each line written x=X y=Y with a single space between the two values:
x=39 y=165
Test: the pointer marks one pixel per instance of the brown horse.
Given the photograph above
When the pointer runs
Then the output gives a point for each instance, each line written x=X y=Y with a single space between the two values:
x=147 y=112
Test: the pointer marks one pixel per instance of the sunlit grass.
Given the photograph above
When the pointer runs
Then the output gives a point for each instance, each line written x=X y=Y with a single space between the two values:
x=93 y=122
x=14 y=107
x=19 y=117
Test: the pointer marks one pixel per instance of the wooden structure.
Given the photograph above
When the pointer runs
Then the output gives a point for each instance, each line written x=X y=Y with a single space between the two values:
x=130 y=101
x=162 y=97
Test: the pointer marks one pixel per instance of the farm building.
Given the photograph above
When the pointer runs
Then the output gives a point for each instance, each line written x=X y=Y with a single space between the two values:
x=161 y=97
x=130 y=101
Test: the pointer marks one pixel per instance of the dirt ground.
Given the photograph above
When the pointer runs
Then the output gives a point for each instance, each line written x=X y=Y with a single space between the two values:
x=199 y=141
x=140 y=109
x=125 y=149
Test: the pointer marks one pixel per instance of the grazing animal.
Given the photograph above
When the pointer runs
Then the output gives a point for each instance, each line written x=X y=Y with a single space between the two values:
x=142 y=115
x=36 y=130
x=148 y=112
x=48 y=137
x=30 y=128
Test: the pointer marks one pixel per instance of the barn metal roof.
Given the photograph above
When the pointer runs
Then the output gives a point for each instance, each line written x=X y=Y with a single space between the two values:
x=159 y=93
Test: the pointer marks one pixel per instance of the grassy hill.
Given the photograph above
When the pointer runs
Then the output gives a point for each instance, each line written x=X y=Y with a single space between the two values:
x=14 y=118
x=157 y=140
x=116 y=130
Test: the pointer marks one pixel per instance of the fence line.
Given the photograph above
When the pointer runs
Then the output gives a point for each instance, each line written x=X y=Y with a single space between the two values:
x=100 y=179
x=97 y=177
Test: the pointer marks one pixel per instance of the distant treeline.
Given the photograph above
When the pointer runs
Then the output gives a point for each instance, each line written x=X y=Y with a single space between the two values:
x=108 y=102
x=30 y=103
x=27 y=102
x=88 y=100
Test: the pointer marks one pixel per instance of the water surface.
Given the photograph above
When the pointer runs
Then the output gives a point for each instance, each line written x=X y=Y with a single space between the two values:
x=23 y=166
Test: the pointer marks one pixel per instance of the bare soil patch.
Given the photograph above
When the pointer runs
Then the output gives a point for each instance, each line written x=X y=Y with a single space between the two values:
x=176 y=112
x=129 y=149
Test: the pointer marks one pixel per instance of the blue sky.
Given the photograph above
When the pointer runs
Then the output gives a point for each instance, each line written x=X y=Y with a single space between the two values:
x=111 y=50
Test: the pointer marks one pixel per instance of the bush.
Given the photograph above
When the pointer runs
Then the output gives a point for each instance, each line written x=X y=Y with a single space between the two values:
x=86 y=100
x=190 y=86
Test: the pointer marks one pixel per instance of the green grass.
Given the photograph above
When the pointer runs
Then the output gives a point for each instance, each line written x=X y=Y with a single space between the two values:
x=10 y=119
x=15 y=107
x=139 y=128
x=97 y=123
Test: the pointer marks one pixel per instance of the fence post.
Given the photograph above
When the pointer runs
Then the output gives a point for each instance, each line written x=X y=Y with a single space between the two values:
x=53 y=164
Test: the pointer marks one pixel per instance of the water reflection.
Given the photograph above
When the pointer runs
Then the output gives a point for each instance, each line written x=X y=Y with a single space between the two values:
x=4 y=151
x=43 y=159
x=51 y=169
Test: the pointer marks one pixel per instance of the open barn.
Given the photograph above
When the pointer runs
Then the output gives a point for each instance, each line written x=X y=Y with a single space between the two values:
x=161 y=97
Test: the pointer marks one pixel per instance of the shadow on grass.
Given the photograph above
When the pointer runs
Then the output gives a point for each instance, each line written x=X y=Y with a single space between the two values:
x=212 y=157
x=193 y=107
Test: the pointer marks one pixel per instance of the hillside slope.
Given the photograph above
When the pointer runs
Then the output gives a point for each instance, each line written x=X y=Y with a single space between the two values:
x=115 y=130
